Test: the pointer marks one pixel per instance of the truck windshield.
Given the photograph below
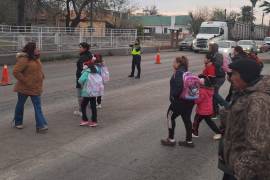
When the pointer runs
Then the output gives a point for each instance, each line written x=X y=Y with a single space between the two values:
x=245 y=43
x=209 y=30
x=224 y=44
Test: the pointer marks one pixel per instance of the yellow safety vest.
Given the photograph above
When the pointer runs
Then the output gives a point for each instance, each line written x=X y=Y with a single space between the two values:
x=134 y=52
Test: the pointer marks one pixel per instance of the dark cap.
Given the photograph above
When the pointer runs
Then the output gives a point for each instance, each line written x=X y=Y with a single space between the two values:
x=248 y=69
x=85 y=45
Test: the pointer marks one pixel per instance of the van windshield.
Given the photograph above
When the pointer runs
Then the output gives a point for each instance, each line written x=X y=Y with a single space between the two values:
x=267 y=39
x=245 y=43
x=209 y=30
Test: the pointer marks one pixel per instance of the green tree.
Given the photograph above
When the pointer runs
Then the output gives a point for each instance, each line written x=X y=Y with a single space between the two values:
x=266 y=7
x=246 y=14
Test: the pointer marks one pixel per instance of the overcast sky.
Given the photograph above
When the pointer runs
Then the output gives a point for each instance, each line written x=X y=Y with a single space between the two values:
x=179 y=7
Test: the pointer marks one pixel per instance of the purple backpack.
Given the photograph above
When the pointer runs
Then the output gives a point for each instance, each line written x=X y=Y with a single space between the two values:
x=191 y=86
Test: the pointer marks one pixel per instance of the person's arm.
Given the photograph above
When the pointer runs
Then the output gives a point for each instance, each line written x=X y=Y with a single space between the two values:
x=18 y=69
x=253 y=160
x=200 y=99
x=178 y=85
x=83 y=78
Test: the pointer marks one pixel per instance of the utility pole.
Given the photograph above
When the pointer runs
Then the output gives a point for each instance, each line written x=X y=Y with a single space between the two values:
x=91 y=14
x=225 y=14
x=263 y=19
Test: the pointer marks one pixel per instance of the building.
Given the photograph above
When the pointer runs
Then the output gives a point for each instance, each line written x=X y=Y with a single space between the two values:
x=162 y=24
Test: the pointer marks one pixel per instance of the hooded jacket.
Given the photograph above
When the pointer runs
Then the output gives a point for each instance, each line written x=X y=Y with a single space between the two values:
x=246 y=149
x=29 y=75
x=205 y=101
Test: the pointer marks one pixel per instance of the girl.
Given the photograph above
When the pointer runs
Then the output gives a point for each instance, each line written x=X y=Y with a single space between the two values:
x=93 y=87
x=99 y=64
x=205 y=109
x=179 y=107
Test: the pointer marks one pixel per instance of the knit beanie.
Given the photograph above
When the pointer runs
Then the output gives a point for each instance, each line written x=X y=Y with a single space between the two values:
x=248 y=69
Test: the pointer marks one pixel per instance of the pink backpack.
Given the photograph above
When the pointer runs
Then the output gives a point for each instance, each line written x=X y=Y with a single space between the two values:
x=191 y=86
x=226 y=63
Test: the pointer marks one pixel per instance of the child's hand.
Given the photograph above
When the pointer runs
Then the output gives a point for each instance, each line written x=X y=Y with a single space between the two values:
x=85 y=67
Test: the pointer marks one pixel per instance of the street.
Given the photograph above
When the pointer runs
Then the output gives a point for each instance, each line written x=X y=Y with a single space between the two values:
x=125 y=145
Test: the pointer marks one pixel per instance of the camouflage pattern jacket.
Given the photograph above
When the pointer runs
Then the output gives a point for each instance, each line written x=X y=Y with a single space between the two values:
x=246 y=148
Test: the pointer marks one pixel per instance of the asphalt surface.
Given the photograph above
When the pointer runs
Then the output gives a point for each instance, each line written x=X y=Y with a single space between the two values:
x=125 y=145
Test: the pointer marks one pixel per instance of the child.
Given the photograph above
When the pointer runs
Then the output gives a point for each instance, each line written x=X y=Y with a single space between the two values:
x=92 y=87
x=99 y=64
x=204 y=109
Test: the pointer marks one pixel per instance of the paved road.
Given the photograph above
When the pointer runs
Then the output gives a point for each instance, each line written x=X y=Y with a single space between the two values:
x=126 y=145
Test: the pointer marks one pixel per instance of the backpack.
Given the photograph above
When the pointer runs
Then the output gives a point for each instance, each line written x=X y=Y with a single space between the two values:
x=191 y=86
x=95 y=87
x=225 y=65
x=105 y=74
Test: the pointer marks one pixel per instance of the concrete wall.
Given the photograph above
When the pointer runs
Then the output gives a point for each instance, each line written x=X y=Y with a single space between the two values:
x=54 y=56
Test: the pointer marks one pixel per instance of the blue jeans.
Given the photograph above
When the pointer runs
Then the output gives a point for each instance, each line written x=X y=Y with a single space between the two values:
x=40 y=119
x=218 y=99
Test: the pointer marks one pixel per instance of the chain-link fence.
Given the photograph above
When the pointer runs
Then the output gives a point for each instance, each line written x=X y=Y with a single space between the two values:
x=61 y=39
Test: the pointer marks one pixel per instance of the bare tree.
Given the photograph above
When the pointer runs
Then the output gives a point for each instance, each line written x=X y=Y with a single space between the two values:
x=197 y=17
x=150 y=11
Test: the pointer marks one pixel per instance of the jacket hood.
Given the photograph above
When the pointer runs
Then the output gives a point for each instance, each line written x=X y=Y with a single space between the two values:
x=263 y=85
x=21 y=54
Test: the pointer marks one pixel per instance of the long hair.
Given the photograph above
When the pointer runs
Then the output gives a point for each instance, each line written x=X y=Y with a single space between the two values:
x=183 y=61
x=214 y=48
x=240 y=50
x=29 y=49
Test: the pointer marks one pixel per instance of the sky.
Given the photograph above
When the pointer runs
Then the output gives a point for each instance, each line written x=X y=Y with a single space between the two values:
x=181 y=7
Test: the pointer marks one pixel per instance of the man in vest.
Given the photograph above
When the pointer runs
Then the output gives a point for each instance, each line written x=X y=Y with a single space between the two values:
x=136 y=59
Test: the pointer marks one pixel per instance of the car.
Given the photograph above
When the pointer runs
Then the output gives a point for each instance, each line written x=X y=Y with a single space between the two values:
x=226 y=47
x=248 y=45
x=187 y=43
x=267 y=40
x=262 y=46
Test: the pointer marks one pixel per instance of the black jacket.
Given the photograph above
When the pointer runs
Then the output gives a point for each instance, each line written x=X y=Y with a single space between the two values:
x=83 y=58
x=176 y=84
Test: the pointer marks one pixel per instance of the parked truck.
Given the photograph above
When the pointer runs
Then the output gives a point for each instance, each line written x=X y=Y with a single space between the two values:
x=214 y=31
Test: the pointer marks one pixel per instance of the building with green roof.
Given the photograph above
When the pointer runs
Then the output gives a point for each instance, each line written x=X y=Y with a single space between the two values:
x=162 y=24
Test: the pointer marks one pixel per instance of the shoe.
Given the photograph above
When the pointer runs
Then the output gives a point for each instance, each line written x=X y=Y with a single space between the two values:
x=131 y=76
x=186 y=144
x=168 y=142
x=42 y=130
x=99 y=106
x=137 y=77
x=217 y=137
x=215 y=118
x=92 y=124
x=83 y=123
x=77 y=113
x=195 y=134
x=19 y=127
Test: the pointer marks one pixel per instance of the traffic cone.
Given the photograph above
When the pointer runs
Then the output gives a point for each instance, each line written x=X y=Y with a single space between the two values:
x=158 y=58
x=5 y=77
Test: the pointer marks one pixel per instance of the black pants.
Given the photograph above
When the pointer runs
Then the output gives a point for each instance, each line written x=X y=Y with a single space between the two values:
x=228 y=177
x=229 y=96
x=93 y=106
x=198 y=119
x=183 y=109
x=218 y=99
x=99 y=100
x=136 y=62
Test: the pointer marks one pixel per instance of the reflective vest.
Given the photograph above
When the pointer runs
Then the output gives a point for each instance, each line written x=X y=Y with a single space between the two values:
x=134 y=52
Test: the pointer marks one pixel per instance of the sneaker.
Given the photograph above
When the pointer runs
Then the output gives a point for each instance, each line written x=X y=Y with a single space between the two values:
x=195 y=134
x=42 y=130
x=77 y=113
x=217 y=137
x=131 y=76
x=19 y=127
x=137 y=77
x=168 y=142
x=186 y=144
x=92 y=124
x=83 y=123
x=99 y=106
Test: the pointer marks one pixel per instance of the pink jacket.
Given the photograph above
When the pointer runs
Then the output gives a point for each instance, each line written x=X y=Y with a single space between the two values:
x=205 y=102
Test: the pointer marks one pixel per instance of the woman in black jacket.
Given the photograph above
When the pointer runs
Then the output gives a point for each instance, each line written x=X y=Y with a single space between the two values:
x=179 y=107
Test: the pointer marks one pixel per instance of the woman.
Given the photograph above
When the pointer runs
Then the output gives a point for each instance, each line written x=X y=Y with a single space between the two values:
x=179 y=107
x=217 y=60
x=29 y=75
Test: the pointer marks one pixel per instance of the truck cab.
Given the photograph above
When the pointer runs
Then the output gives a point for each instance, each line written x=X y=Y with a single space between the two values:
x=210 y=32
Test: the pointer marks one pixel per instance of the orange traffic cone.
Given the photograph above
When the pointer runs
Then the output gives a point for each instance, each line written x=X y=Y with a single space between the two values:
x=5 y=77
x=158 y=58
